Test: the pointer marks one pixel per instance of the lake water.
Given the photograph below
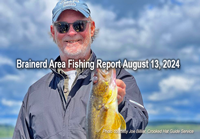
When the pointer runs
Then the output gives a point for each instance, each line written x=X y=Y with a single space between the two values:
x=195 y=135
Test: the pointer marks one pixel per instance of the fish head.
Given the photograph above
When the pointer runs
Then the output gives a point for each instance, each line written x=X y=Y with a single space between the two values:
x=106 y=80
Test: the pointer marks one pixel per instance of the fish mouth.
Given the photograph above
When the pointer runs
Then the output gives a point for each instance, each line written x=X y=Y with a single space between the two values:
x=103 y=72
x=103 y=75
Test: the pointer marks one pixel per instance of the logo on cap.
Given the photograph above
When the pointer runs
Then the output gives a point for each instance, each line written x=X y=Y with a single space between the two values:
x=70 y=3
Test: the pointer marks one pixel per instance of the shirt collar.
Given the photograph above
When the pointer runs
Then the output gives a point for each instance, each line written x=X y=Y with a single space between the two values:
x=79 y=70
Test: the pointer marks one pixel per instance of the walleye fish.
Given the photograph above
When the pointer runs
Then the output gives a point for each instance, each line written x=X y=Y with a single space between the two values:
x=103 y=121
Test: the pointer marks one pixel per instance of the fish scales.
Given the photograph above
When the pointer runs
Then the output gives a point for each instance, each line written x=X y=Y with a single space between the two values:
x=103 y=119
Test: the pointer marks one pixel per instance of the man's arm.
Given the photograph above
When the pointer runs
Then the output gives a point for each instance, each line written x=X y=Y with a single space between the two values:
x=22 y=130
x=131 y=107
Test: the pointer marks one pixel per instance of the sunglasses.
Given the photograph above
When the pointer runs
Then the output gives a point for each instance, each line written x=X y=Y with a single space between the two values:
x=78 y=26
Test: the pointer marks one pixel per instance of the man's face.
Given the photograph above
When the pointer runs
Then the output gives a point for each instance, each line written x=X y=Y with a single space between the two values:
x=73 y=44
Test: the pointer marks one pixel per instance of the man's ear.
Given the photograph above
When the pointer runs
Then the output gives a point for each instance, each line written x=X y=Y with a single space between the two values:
x=92 y=28
x=52 y=31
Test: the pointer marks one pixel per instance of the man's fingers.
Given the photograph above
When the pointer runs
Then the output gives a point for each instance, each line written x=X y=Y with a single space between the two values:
x=119 y=99
x=121 y=91
x=120 y=83
x=121 y=94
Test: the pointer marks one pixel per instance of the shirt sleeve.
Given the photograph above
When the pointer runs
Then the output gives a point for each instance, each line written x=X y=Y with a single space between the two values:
x=132 y=108
x=22 y=129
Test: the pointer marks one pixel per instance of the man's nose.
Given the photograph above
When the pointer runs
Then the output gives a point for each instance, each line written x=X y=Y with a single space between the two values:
x=71 y=31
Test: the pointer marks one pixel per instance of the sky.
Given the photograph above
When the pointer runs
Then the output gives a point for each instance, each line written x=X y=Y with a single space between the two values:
x=137 y=30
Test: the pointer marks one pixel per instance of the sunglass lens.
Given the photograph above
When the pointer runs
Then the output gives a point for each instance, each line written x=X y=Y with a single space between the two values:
x=62 y=27
x=79 y=26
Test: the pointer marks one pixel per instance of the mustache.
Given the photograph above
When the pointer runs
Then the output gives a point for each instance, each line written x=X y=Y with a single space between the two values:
x=68 y=38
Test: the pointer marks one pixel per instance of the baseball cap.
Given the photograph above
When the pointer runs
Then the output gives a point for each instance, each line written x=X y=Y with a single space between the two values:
x=77 y=5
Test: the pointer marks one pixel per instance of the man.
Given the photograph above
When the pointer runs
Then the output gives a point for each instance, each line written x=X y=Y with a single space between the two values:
x=55 y=106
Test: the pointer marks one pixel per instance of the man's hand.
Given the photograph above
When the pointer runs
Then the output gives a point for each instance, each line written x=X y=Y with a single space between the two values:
x=121 y=88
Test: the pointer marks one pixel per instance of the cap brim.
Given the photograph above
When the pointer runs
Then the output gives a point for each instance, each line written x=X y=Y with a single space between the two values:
x=55 y=18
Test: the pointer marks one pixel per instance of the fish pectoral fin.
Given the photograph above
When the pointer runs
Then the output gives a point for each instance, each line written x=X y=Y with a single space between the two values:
x=123 y=123
x=114 y=120
x=100 y=120
x=117 y=122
